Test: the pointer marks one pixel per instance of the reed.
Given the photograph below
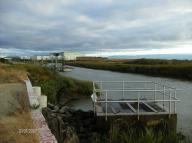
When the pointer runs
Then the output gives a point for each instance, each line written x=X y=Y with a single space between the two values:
x=180 y=69
x=139 y=133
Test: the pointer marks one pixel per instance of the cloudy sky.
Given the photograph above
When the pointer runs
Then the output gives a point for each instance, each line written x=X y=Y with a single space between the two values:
x=96 y=27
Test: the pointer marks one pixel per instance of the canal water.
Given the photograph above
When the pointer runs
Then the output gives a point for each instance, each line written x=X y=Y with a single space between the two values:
x=184 y=107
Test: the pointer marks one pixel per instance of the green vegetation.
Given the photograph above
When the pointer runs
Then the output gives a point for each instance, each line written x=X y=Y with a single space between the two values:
x=138 y=133
x=58 y=89
x=181 y=69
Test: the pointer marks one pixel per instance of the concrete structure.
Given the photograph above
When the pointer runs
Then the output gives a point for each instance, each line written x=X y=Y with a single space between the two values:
x=129 y=101
x=128 y=98
x=42 y=101
x=37 y=90
x=45 y=135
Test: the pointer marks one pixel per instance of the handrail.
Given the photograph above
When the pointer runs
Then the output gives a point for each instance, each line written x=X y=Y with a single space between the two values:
x=136 y=89
x=135 y=82
x=164 y=90
x=133 y=101
x=124 y=81
x=131 y=90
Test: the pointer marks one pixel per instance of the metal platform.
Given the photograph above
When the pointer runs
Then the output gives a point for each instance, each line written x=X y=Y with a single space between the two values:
x=118 y=98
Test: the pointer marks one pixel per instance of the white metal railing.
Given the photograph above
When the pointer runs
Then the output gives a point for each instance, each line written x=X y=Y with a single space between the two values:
x=160 y=93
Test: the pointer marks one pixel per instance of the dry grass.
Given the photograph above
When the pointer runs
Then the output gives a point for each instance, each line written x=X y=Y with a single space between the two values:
x=11 y=75
x=18 y=126
x=12 y=129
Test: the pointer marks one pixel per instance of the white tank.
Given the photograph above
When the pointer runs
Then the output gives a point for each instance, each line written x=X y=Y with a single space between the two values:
x=36 y=91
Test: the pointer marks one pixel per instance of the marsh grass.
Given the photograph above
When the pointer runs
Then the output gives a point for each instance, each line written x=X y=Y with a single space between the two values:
x=137 y=132
x=181 y=69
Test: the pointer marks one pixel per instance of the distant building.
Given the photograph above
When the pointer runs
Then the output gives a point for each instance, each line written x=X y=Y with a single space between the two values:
x=45 y=57
x=86 y=58
x=60 y=56
x=38 y=58
x=24 y=57
x=70 y=55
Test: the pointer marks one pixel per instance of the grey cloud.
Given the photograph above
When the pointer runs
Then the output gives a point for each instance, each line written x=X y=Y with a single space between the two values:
x=52 y=25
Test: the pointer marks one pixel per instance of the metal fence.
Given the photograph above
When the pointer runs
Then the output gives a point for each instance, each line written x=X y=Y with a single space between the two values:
x=135 y=92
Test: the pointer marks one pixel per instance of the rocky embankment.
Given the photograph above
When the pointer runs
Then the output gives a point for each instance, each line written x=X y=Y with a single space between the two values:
x=69 y=125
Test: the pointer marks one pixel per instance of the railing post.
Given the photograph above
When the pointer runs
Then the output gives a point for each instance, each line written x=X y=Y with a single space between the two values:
x=94 y=108
x=101 y=88
x=164 y=97
x=123 y=90
x=138 y=100
x=106 y=106
x=155 y=92
x=169 y=103
x=175 y=94
x=93 y=86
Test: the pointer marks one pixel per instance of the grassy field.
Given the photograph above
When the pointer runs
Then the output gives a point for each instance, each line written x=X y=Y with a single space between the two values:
x=180 y=69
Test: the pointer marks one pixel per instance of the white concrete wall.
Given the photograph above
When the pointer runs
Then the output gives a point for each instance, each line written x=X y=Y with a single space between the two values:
x=45 y=135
